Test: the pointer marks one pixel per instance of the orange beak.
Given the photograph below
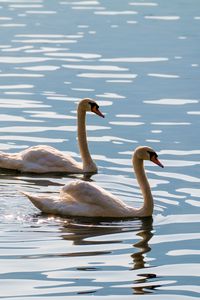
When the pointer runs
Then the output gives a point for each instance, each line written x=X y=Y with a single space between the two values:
x=156 y=161
x=97 y=111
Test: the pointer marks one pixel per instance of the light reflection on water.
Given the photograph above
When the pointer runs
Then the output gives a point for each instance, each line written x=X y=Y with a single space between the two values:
x=140 y=60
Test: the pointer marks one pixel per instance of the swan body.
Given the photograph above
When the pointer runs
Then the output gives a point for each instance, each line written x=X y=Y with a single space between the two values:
x=81 y=198
x=45 y=159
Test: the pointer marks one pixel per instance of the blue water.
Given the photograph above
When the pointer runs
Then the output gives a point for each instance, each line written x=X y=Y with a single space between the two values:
x=140 y=61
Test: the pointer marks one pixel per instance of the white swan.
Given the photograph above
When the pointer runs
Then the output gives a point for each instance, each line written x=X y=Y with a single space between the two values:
x=45 y=159
x=80 y=198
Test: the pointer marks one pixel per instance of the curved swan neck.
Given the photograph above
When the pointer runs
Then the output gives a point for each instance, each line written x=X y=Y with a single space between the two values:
x=147 y=208
x=88 y=164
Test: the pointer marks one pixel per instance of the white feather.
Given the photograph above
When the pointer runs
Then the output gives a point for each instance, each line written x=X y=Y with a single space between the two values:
x=81 y=198
x=45 y=159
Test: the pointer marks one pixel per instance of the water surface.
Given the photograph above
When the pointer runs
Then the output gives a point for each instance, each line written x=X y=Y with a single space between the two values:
x=140 y=61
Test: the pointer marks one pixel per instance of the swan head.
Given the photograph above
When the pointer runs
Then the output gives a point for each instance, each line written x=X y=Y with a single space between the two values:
x=90 y=105
x=147 y=153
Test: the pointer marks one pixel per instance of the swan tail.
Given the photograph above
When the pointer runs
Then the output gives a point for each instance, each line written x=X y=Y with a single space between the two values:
x=42 y=202
x=9 y=161
x=34 y=199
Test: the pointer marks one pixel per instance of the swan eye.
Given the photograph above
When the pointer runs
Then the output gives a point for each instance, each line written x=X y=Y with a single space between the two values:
x=152 y=154
x=95 y=109
x=93 y=105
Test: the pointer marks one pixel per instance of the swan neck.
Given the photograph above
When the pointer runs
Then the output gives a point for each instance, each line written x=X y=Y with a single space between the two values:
x=88 y=164
x=147 y=208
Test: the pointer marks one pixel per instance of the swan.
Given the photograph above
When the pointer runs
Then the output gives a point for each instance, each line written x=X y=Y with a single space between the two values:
x=82 y=198
x=45 y=159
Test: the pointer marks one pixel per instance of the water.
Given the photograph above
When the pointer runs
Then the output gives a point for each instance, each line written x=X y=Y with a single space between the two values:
x=140 y=61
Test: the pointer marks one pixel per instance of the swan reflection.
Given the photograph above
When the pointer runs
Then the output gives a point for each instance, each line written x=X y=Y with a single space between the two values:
x=142 y=245
x=84 y=232
x=142 y=285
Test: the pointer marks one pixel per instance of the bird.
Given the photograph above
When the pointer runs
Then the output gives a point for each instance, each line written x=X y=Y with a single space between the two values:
x=46 y=159
x=86 y=199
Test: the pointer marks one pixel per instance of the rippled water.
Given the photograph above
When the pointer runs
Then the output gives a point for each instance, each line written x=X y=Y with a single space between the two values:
x=140 y=60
